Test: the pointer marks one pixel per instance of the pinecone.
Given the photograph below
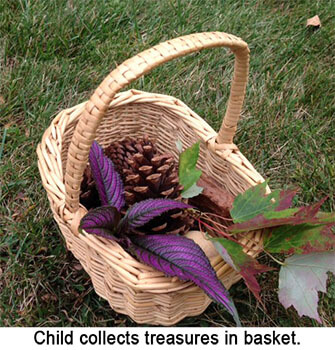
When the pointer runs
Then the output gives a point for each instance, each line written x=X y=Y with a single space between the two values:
x=148 y=174
x=145 y=172
x=121 y=151
x=118 y=152
x=172 y=222
x=89 y=195
x=155 y=177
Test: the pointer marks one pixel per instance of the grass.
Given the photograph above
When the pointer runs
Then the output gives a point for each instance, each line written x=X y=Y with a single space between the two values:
x=52 y=56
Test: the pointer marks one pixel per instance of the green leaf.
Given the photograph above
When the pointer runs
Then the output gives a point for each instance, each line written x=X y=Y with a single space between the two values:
x=294 y=216
x=253 y=202
x=300 y=239
x=247 y=266
x=326 y=217
x=188 y=174
x=193 y=191
x=277 y=212
x=300 y=280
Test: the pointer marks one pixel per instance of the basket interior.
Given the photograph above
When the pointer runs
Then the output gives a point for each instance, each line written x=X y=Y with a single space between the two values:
x=165 y=125
x=166 y=120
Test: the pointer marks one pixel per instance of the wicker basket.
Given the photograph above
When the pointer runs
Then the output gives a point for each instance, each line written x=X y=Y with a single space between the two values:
x=130 y=287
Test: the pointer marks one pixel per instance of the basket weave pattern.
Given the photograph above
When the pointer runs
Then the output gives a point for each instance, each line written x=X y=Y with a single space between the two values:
x=130 y=287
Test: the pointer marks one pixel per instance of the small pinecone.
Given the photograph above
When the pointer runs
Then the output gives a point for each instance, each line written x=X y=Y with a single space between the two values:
x=89 y=196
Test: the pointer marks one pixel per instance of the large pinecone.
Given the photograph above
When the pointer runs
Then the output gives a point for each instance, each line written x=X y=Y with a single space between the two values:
x=146 y=173
x=155 y=177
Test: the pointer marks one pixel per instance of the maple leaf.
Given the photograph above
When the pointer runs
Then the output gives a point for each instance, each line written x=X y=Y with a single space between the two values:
x=255 y=201
x=300 y=280
x=293 y=230
x=326 y=217
x=300 y=239
x=247 y=266
x=292 y=216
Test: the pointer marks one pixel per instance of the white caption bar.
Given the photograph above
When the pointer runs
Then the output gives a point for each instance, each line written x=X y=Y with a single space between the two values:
x=167 y=338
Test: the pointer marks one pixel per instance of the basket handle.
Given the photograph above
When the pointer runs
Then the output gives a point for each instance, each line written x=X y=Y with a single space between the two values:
x=134 y=68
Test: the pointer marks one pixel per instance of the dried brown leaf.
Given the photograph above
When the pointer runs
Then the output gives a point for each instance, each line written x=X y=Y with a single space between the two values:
x=314 y=22
x=214 y=198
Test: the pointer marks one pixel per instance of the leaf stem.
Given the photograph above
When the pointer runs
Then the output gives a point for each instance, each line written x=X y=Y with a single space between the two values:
x=216 y=230
x=226 y=235
x=273 y=258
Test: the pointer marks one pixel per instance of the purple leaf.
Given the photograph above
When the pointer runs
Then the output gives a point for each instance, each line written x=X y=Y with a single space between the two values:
x=101 y=221
x=107 y=179
x=142 y=212
x=181 y=257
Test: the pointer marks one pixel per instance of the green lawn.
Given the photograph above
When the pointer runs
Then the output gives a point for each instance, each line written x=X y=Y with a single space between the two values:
x=52 y=56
